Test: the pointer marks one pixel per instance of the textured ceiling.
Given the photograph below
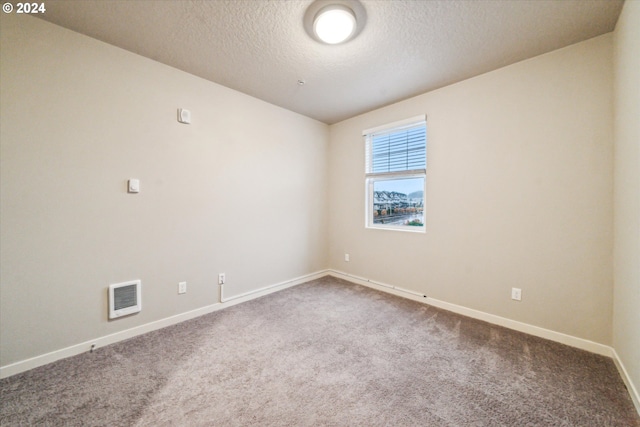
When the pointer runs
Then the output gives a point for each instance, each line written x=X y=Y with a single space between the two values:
x=407 y=47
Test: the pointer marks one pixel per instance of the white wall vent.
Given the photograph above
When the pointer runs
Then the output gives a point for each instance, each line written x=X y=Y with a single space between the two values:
x=125 y=298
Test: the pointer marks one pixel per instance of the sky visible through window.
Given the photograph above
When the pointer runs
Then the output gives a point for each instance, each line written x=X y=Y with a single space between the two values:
x=406 y=186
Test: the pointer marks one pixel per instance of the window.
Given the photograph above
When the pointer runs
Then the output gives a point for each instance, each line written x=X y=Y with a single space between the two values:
x=396 y=167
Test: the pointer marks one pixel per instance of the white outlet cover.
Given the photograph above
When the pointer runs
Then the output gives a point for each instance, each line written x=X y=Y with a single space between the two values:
x=182 y=287
x=516 y=294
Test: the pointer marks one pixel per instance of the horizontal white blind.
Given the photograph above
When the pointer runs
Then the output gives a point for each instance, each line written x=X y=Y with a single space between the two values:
x=397 y=150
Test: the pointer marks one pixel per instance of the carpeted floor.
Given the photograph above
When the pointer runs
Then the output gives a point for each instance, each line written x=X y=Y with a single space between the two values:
x=325 y=353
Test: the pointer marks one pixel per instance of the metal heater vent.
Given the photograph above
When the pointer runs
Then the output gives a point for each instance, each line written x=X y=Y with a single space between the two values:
x=124 y=298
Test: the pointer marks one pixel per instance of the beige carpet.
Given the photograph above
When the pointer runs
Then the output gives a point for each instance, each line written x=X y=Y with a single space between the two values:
x=325 y=353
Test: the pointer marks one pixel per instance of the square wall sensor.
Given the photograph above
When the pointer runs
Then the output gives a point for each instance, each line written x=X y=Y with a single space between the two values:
x=184 y=116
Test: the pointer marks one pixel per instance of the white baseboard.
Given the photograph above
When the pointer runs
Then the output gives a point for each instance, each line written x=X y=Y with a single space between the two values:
x=572 y=341
x=34 y=362
x=633 y=391
x=569 y=340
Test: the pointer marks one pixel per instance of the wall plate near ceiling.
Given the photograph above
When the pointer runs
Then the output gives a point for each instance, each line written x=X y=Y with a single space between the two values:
x=184 y=116
x=346 y=7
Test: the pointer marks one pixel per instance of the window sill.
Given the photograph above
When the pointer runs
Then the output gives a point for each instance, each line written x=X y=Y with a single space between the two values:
x=404 y=229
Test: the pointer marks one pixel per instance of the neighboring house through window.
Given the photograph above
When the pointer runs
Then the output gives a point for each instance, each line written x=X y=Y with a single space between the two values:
x=396 y=167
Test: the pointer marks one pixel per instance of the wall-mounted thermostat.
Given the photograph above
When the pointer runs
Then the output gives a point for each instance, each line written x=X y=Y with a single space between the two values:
x=184 y=116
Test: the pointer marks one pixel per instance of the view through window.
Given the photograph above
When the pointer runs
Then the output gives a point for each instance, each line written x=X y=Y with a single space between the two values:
x=395 y=175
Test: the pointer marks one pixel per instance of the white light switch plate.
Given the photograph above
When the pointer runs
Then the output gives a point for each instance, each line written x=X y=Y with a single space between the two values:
x=134 y=186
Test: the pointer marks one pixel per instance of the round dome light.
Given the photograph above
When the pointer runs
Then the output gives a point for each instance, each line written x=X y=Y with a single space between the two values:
x=334 y=24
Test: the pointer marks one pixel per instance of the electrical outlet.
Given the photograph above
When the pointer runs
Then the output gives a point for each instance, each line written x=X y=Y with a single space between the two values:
x=516 y=294
x=221 y=279
x=346 y=257
x=182 y=287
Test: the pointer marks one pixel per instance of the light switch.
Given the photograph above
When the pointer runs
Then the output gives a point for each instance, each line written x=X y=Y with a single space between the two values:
x=134 y=186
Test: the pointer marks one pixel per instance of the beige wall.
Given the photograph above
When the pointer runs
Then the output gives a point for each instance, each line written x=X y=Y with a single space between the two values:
x=519 y=194
x=626 y=318
x=241 y=190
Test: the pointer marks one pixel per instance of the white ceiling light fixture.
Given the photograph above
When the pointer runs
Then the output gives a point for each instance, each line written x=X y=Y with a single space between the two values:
x=334 y=21
x=334 y=24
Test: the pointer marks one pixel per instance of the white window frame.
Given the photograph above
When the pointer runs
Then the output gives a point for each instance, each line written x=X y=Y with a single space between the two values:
x=372 y=177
